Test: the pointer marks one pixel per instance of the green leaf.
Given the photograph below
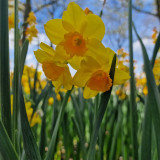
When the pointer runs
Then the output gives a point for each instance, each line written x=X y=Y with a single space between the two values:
x=146 y=133
x=42 y=143
x=51 y=149
x=4 y=68
x=6 y=147
x=23 y=56
x=116 y=133
x=16 y=74
x=100 y=114
x=153 y=94
x=133 y=107
x=155 y=51
x=29 y=141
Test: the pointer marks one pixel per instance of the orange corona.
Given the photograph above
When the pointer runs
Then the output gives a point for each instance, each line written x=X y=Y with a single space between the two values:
x=100 y=81
x=74 y=44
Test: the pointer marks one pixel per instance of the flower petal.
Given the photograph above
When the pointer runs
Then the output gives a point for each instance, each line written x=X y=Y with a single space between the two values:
x=120 y=76
x=73 y=18
x=81 y=77
x=58 y=84
x=97 y=51
x=84 y=73
x=47 y=48
x=52 y=71
x=43 y=56
x=75 y=62
x=61 y=54
x=95 y=27
x=67 y=79
x=55 y=30
x=88 y=93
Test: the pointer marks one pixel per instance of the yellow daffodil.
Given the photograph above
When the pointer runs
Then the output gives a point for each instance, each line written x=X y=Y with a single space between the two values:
x=77 y=34
x=53 y=67
x=122 y=53
x=95 y=76
x=88 y=11
x=11 y=21
x=31 y=32
x=50 y=100
x=58 y=97
x=145 y=90
x=31 y=19
x=154 y=35
x=36 y=118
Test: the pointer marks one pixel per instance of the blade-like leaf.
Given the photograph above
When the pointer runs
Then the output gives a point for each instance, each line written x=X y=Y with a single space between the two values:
x=42 y=142
x=4 y=68
x=23 y=56
x=16 y=73
x=153 y=94
x=30 y=146
x=155 y=51
x=100 y=114
x=133 y=107
x=146 y=133
x=6 y=147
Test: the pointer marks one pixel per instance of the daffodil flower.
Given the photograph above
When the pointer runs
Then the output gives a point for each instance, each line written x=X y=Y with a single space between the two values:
x=54 y=68
x=31 y=18
x=77 y=34
x=94 y=76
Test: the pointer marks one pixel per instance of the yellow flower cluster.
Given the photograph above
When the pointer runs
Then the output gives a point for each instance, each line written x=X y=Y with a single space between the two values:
x=142 y=82
x=29 y=110
x=78 y=37
x=32 y=120
x=121 y=94
x=31 y=31
x=28 y=80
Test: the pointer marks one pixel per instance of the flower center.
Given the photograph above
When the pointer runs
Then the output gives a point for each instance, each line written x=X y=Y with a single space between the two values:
x=100 y=81
x=74 y=44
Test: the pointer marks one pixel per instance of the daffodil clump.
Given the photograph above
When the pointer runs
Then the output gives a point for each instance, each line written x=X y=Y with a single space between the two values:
x=78 y=37
x=31 y=30
x=32 y=119
x=141 y=81
x=123 y=63
x=28 y=78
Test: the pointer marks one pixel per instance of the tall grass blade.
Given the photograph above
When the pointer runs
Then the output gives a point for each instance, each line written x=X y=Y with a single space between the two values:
x=100 y=114
x=115 y=134
x=4 y=68
x=16 y=72
x=146 y=133
x=153 y=94
x=133 y=107
x=29 y=141
x=23 y=56
x=6 y=147
x=43 y=126
x=155 y=51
